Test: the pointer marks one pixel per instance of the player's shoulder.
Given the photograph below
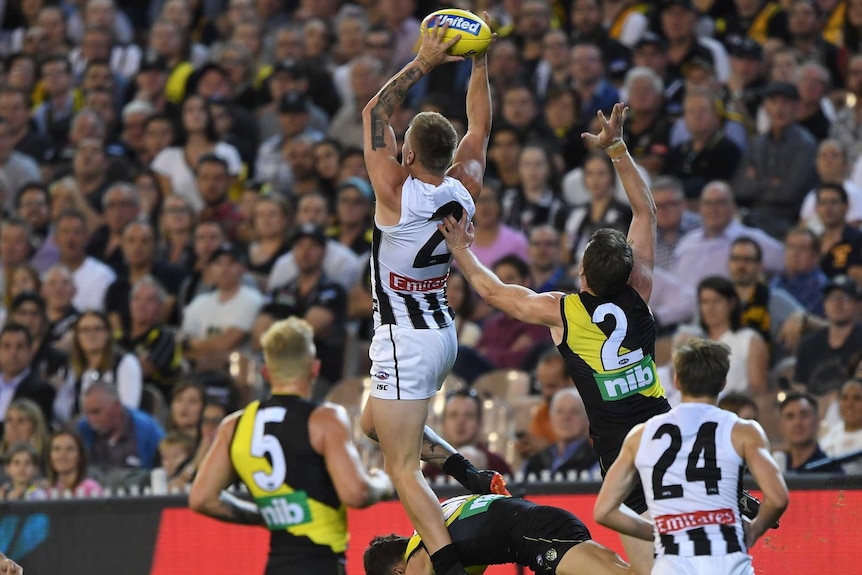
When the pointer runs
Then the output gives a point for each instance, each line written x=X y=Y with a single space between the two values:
x=328 y=413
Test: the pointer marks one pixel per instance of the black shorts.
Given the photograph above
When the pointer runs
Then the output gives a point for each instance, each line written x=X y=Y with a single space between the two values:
x=518 y=531
x=636 y=501
x=302 y=564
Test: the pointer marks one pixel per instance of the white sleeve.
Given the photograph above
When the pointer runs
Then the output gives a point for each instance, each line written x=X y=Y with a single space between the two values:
x=673 y=302
x=163 y=163
x=283 y=270
x=633 y=29
x=245 y=313
x=773 y=253
x=130 y=381
x=191 y=324
x=230 y=155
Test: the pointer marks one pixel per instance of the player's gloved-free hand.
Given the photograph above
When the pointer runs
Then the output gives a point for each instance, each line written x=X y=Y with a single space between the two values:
x=485 y=482
x=749 y=505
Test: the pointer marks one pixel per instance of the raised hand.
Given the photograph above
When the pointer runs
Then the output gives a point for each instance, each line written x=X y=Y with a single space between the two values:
x=612 y=130
x=434 y=49
x=459 y=235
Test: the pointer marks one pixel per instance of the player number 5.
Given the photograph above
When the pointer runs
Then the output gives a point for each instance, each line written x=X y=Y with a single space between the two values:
x=263 y=444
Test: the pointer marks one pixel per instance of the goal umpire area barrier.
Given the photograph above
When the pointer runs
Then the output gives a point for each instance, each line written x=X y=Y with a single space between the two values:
x=160 y=536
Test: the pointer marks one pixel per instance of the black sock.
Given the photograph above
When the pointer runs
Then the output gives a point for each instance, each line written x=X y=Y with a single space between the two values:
x=446 y=562
x=461 y=469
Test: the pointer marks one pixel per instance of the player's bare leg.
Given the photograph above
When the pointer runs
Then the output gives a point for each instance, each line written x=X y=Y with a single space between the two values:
x=640 y=553
x=590 y=558
x=399 y=427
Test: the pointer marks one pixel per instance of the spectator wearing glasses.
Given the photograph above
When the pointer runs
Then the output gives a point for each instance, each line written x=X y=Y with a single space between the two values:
x=33 y=206
x=673 y=219
x=121 y=205
x=840 y=243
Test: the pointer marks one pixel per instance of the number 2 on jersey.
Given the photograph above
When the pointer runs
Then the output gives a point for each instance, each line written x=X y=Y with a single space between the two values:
x=263 y=444
x=425 y=258
x=704 y=443
x=611 y=358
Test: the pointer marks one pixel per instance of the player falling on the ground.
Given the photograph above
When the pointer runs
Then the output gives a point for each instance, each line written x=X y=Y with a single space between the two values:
x=414 y=344
x=690 y=461
x=495 y=529
x=606 y=333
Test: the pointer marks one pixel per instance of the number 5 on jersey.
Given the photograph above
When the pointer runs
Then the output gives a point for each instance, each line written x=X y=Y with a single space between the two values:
x=263 y=444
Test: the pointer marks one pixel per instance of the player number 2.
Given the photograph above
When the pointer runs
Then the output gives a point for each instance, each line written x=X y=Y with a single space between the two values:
x=425 y=257
x=704 y=445
x=611 y=358
x=263 y=443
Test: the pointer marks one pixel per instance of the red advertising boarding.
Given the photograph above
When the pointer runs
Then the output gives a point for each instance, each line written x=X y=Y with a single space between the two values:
x=816 y=533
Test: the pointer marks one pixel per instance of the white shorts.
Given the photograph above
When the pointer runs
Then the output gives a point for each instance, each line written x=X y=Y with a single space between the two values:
x=409 y=363
x=732 y=564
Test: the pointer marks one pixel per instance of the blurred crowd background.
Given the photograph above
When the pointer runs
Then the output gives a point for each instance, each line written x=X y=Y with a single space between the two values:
x=175 y=175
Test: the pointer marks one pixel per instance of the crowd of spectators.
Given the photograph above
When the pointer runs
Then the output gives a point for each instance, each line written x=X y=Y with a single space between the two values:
x=176 y=175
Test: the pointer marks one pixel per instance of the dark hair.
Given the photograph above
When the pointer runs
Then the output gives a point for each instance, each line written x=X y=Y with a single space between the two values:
x=854 y=361
x=81 y=472
x=701 y=367
x=798 y=396
x=467 y=394
x=211 y=158
x=350 y=151
x=504 y=127
x=179 y=388
x=745 y=240
x=556 y=93
x=17 y=91
x=468 y=305
x=736 y=400
x=12 y=327
x=30 y=186
x=95 y=63
x=837 y=188
x=805 y=231
x=27 y=448
x=53 y=59
x=209 y=130
x=383 y=553
x=723 y=287
x=72 y=214
x=161 y=117
x=516 y=262
x=608 y=262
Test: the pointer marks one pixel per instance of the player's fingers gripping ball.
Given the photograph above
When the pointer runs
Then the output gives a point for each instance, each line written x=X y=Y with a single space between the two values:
x=475 y=34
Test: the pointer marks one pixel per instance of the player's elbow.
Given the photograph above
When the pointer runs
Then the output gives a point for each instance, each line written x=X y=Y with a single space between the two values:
x=198 y=501
x=600 y=513
x=780 y=499
x=356 y=494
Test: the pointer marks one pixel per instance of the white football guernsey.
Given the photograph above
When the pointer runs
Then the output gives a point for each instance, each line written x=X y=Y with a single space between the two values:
x=410 y=261
x=691 y=477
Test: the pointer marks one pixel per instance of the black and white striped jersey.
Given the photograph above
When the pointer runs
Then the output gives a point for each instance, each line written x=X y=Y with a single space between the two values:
x=410 y=261
x=692 y=477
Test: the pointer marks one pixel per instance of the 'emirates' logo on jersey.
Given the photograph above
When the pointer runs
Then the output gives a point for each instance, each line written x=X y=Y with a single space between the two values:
x=404 y=283
x=670 y=523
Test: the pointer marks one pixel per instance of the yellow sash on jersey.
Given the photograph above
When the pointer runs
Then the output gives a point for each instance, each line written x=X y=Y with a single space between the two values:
x=760 y=27
x=834 y=30
x=637 y=372
x=285 y=508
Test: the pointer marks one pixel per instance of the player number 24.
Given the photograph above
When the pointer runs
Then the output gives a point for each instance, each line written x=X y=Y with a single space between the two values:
x=704 y=445
x=263 y=444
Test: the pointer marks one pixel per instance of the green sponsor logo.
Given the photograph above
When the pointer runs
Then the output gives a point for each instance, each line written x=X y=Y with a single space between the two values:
x=283 y=511
x=478 y=505
x=620 y=384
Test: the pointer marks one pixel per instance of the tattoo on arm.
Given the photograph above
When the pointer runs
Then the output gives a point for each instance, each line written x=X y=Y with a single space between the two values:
x=435 y=450
x=391 y=96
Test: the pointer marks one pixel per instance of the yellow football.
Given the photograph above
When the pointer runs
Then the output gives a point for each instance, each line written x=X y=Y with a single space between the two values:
x=475 y=33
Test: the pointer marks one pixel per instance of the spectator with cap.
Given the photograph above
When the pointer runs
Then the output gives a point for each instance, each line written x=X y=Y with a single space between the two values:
x=778 y=169
x=148 y=85
x=15 y=110
x=48 y=362
x=287 y=77
x=293 y=118
x=708 y=154
x=92 y=278
x=218 y=323
x=840 y=243
x=176 y=165
x=138 y=245
x=823 y=357
x=117 y=437
x=149 y=338
x=746 y=79
x=340 y=264
x=799 y=424
x=354 y=201
x=120 y=205
x=313 y=297
x=33 y=207
x=17 y=377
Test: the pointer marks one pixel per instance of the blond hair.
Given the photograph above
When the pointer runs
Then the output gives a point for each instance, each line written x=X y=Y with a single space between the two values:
x=434 y=140
x=288 y=348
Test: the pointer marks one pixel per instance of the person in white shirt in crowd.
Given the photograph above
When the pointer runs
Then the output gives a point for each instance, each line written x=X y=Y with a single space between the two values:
x=672 y=301
x=706 y=251
x=340 y=264
x=846 y=435
x=16 y=169
x=832 y=167
x=92 y=277
x=218 y=323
